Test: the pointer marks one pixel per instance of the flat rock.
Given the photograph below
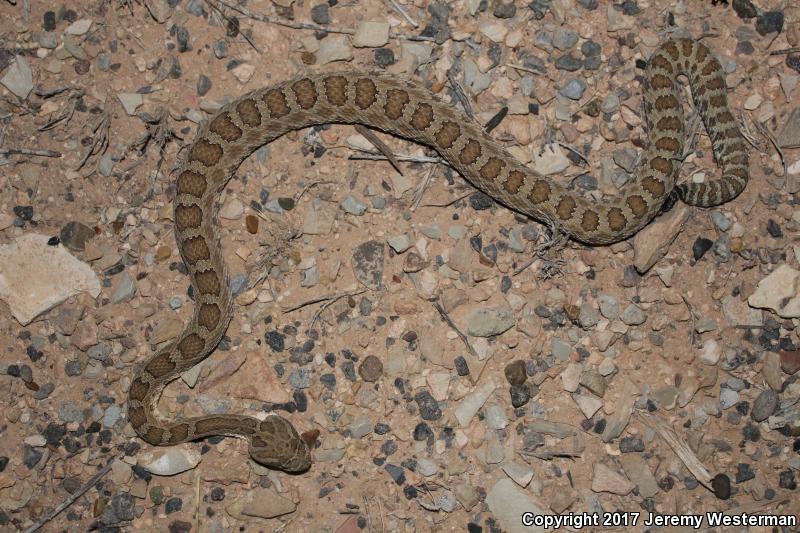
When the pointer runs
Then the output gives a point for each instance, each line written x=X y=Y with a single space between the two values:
x=130 y=102
x=489 y=321
x=18 y=78
x=507 y=502
x=262 y=503
x=368 y=263
x=371 y=34
x=650 y=244
x=170 y=461
x=639 y=473
x=334 y=48
x=472 y=402
x=607 y=480
x=35 y=277
x=779 y=292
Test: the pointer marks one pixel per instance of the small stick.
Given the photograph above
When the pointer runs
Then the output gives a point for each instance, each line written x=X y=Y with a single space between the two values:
x=29 y=151
x=446 y=318
x=523 y=69
x=766 y=133
x=420 y=191
x=380 y=145
x=785 y=51
x=496 y=120
x=72 y=497
x=573 y=150
x=406 y=158
x=460 y=94
x=228 y=20
x=397 y=7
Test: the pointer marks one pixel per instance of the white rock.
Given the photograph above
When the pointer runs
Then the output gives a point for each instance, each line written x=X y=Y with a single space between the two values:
x=507 y=503
x=334 y=48
x=472 y=402
x=495 y=31
x=426 y=467
x=711 y=352
x=35 y=277
x=243 y=72
x=550 y=160
x=170 y=461
x=588 y=404
x=607 y=480
x=35 y=440
x=521 y=474
x=79 y=27
x=233 y=209
x=780 y=292
x=399 y=243
x=130 y=102
x=371 y=34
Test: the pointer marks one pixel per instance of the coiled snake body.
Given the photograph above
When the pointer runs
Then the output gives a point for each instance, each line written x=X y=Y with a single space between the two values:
x=408 y=110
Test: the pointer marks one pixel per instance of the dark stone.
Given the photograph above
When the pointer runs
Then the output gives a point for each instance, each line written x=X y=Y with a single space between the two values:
x=745 y=9
x=515 y=372
x=320 y=14
x=173 y=505
x=769 y=22
x=480 y=201
x=590 y=48
x=589 y=5
x=722 y=486
x=462 y=368
x=24 y=212
x=505 y=10
x=700 y=247
x=49 y=21
x=397 y=473
x=384 y=57
x=71 y=484
x=203 y=85
x=744 y=473
x=428 y=407
x=520 y=395
x=275 y=340
x=774 y=229
x=422 y=431
x=630 y=8
x=82 y=66
x=3 y=462
x=382 y=429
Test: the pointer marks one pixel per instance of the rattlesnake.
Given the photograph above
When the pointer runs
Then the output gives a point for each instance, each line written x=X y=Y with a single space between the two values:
x=407 y=110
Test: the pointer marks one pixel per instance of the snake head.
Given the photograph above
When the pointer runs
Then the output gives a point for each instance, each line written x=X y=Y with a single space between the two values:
x=277 y=445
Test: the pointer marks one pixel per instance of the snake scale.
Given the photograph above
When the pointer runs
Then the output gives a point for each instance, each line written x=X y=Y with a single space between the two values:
x=410 y=111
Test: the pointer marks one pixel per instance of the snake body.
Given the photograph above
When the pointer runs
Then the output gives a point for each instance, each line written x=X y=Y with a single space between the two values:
x=408 y=110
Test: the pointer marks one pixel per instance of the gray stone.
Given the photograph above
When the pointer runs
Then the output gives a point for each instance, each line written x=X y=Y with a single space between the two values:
x=766 y=403
x=490 y=321
x=728 y=398
x=353 y=205
x=633 y=316
x=18 y=78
